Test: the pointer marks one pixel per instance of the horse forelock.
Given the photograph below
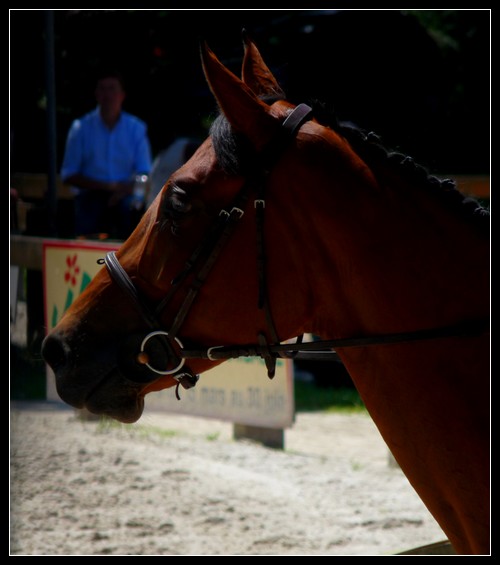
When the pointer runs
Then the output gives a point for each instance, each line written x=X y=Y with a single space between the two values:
x=234 y=153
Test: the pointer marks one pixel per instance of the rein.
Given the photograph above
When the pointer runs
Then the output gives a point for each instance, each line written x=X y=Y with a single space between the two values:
x=321 y=349
x=210 y=249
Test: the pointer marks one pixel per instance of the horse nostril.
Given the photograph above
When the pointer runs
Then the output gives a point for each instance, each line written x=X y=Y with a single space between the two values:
x=55 y=353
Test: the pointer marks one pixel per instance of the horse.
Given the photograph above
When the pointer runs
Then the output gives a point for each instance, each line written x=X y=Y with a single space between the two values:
x=281 y=224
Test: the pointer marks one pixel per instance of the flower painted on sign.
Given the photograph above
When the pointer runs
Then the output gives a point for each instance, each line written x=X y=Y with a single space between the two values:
x=72 y=270
x=74 y=275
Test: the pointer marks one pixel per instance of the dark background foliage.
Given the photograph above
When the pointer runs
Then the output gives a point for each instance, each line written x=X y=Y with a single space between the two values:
x=420 y=79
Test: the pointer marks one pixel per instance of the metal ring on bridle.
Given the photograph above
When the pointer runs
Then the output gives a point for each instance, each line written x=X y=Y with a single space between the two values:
x=161 y=332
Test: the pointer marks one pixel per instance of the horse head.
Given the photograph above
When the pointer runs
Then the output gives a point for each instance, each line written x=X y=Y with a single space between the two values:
x=205 y=209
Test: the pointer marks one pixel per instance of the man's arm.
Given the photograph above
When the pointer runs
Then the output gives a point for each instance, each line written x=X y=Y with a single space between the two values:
x=117 y=190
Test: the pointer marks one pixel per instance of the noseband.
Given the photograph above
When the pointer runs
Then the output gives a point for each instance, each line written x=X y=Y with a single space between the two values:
x=172 y=352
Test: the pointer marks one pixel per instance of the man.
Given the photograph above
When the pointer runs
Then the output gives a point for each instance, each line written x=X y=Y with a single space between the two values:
x=105 y=150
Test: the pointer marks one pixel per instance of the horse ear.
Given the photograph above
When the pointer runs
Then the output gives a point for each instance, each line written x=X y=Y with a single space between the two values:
x=245 y=112
x=256 y=74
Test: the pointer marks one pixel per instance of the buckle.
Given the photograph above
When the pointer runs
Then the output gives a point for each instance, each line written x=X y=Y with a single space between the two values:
x=227 y=214
x=209 y=352
x=238 y=211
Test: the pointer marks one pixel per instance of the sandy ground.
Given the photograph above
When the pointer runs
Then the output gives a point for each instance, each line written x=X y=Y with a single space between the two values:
x=179 y=485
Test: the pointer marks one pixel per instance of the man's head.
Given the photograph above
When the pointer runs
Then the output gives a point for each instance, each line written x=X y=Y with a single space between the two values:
x=110 y=92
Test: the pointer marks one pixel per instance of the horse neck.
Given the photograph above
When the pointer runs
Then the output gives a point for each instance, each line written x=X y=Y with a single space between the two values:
x=381 y=254
x=374 y=254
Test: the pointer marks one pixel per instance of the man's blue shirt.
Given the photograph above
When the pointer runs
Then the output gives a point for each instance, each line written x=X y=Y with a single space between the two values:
x=94 y=150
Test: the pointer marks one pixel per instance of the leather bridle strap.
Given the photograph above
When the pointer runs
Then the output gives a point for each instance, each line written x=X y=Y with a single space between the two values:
x=121 y=278
x=297 y=117
x=288 y=129
x=322 y=349
x=210 y=249
x=231 y=221
x=267 y=159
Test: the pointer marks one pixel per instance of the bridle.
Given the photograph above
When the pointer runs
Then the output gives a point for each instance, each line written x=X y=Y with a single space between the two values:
x=164 y=346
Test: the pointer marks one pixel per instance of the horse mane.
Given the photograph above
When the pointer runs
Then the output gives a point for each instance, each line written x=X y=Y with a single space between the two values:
x=369 y=146
x=236 y=157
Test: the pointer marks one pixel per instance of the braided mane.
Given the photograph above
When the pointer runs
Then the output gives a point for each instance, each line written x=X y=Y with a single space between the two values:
x=370 y=148
x=236 y=157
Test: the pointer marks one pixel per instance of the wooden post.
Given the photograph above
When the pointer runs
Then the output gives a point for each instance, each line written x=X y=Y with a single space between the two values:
x=270 y=437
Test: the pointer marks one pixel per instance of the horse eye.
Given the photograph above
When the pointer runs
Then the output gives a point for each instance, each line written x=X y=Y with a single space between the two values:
x=180 y=206
x=175 y=208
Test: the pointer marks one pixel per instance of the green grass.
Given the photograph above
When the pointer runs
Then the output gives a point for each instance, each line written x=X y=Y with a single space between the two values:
x=311 y=398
